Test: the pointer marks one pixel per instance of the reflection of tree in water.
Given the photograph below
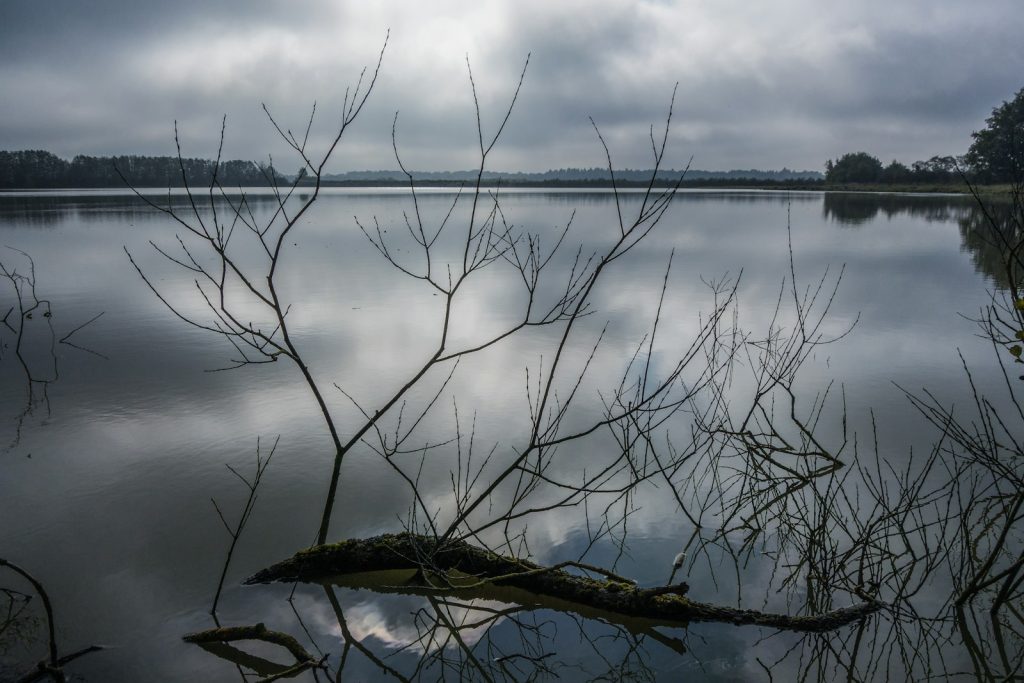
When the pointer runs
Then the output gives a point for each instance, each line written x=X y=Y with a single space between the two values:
x=858 y=208
x=991 y=248
x=42 y=210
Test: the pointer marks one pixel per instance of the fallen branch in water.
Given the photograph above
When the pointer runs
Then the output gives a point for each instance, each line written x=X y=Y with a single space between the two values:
x=457 y=566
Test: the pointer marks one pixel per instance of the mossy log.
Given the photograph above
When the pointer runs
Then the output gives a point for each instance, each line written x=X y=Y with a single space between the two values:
x=457 y=566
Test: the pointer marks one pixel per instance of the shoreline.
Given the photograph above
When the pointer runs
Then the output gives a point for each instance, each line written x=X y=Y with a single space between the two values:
x=780 y=186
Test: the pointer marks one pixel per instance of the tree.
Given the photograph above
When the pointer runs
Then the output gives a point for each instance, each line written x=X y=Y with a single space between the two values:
x=502 y=491
x=938 y=169
x=997 y=153
x=232 y=287
x=854 y=167
x=895 y=172
x=31 y=168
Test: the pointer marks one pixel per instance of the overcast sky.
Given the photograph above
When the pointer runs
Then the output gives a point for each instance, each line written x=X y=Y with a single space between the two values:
x=761 y=84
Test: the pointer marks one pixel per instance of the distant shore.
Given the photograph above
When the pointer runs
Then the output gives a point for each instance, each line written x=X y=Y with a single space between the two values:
x=721 y=184
x=702 y=184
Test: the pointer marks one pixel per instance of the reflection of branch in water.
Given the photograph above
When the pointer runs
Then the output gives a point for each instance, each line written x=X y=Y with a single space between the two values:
x=27 y=306
x=349 y=642
x=987 y=605
x=15 y=625
x=452 y=639
x=214 y=639
x=505 y=634
x=235 y=532
x=67 y=337
x=52 y=666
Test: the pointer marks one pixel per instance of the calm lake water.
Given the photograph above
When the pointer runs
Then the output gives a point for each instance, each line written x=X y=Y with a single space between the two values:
x=105 y=483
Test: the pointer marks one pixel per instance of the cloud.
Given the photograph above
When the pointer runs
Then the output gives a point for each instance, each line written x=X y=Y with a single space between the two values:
x=760 y=84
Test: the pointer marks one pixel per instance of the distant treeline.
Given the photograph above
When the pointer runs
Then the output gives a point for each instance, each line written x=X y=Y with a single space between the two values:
x=594 y=183
x=575 y=175
x=40 y=169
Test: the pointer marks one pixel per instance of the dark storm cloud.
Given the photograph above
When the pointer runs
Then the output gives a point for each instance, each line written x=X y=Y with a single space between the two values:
x=760 y=84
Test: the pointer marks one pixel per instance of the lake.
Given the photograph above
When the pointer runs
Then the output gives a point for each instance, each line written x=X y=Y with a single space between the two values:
x=110 y=457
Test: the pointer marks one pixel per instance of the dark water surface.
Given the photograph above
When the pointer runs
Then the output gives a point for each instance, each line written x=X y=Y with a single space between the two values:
x=105 y=484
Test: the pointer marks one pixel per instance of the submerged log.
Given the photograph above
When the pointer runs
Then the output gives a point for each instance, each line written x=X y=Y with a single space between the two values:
x=456 y=567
